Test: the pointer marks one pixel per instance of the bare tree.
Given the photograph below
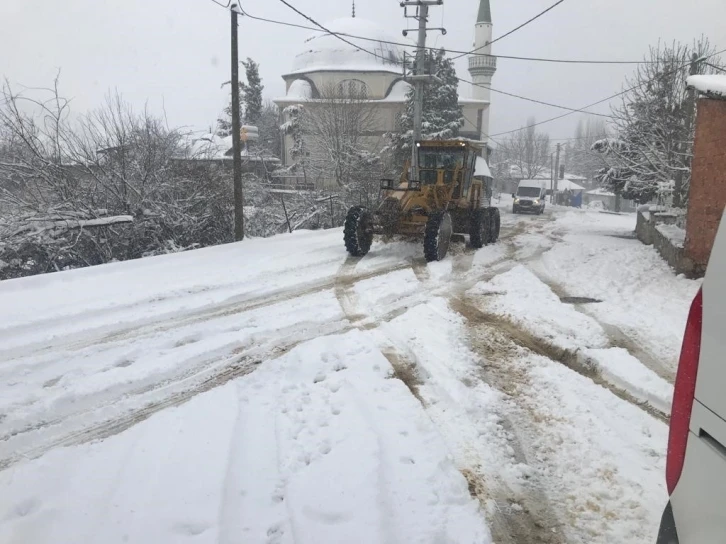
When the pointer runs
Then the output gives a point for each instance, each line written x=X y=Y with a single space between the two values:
x=653 y=146
x=338 y=127
x=526 y=150
x=579 y=156
x=102 y=187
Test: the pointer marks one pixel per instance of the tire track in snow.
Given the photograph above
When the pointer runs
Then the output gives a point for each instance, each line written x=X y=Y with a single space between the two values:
x=171 y=320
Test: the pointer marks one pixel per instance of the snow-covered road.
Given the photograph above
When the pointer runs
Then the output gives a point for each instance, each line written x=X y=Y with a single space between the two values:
x=279 y=391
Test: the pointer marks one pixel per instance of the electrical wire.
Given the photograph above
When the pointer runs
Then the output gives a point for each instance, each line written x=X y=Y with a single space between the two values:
x=512 y=31
x=413 y=46
x=605 y=99
x=573 y=110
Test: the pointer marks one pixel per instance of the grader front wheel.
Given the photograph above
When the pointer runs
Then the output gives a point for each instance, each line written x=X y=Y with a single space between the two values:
x=358 y=231
x=437 y=236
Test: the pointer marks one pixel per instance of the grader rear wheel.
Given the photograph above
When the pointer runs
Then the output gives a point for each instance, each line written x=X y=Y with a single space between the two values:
x=358 y=231
x=437 y=236
x=479 y=232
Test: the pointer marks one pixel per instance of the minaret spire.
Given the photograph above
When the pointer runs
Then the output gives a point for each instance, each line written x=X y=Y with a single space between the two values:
x=485 y=12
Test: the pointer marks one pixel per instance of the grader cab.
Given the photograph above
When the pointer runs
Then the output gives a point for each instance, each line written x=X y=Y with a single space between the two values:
x=446 y=195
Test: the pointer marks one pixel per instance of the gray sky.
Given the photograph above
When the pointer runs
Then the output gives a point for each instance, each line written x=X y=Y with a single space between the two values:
x=176 y=54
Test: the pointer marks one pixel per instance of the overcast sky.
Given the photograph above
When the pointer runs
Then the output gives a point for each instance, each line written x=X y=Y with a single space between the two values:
x=175 y=54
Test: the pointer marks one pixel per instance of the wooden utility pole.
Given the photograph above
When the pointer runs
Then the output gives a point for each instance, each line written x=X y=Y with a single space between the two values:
x=239 y=220
x=557 y=172
x=418 y=90
x=420 y=77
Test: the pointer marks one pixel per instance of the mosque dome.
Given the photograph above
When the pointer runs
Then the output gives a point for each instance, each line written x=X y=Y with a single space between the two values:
x=326 y=52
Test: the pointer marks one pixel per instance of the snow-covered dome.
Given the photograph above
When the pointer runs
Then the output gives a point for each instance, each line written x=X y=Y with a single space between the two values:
x=326 y=52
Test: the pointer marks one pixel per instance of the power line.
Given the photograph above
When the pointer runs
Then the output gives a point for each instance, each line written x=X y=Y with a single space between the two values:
x=412 y=46
x=573 y=110
x=513 y=30
x=333 y=33
x=604 y=99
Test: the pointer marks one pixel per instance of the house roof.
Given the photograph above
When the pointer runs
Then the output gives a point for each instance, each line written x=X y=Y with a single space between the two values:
x=713 y=86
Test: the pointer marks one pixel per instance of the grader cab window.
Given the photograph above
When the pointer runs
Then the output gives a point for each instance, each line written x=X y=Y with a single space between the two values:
x=433 y=160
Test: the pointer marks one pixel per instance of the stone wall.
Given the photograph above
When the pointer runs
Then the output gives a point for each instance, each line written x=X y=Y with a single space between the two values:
x=646 y=230
x=707 y=196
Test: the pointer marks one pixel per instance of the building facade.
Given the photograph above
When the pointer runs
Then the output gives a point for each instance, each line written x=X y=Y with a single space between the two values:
x=327 y=62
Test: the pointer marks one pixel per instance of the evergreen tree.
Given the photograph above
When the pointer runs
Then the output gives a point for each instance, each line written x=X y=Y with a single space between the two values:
x=250 y=99
x=251 y=92
x=441 y=116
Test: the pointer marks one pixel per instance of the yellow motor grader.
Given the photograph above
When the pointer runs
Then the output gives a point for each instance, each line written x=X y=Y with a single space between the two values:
x=448 y=196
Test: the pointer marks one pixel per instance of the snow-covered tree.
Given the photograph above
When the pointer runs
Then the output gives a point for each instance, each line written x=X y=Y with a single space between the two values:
x=335 y=130
x=653 y=141
x=442 y=117
x=250 y=99
x=270 y=141
x=526 y=152
x=294 y=127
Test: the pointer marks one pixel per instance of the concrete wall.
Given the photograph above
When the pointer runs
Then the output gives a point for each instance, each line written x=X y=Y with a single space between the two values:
x=707 y=196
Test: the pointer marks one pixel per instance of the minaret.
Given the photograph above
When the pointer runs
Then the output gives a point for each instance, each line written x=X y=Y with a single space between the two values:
x=482 y=68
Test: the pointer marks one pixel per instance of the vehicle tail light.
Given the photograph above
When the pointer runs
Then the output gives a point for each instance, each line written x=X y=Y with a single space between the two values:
x=684 y=393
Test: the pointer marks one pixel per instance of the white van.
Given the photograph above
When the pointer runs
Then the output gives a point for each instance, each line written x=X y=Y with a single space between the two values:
x=696 y=463
x=530 y=196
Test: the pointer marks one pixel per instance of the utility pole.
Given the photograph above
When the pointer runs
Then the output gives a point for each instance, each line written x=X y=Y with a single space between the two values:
x=420 y=78
x=239 y=220
x=557 y=173
x=690 y=107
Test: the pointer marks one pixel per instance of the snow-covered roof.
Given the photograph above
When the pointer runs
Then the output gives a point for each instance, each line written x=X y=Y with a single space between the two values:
x=533 y=183
x=600 y=192
x=213 y=146
x=398 y=92
x=326 y=52
x=710 y=85
x=564 y=184
x=481 y=168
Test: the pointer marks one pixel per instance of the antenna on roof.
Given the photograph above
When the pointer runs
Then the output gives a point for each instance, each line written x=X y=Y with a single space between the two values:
x=353 y=9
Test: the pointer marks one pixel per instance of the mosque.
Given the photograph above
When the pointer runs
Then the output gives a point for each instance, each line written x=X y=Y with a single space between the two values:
x=327 y=61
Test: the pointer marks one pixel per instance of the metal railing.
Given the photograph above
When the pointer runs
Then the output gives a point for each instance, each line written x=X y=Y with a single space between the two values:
x=482 y=62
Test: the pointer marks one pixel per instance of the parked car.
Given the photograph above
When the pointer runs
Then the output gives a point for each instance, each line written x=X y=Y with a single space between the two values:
x=696 y=464
x=530 y=196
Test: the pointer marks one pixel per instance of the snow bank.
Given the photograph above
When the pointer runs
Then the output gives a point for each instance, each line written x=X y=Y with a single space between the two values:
x=712 y=85
x=522 y=298
x=640 y=294
x=319 y=446
x=626 y=372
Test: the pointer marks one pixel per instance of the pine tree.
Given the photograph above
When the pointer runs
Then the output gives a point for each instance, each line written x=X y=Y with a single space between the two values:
x=441 y=117
x=250 y=99
x=251 y=92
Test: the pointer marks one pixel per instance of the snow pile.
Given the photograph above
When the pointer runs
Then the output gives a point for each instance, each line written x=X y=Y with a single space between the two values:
x=316 y=446
x=522 y=298
x=710 y=85
x=640 y=294
x=674 y=233
x=623 y=370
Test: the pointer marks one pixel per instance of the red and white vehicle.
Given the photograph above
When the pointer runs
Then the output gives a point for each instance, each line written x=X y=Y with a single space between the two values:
x=696 y=465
